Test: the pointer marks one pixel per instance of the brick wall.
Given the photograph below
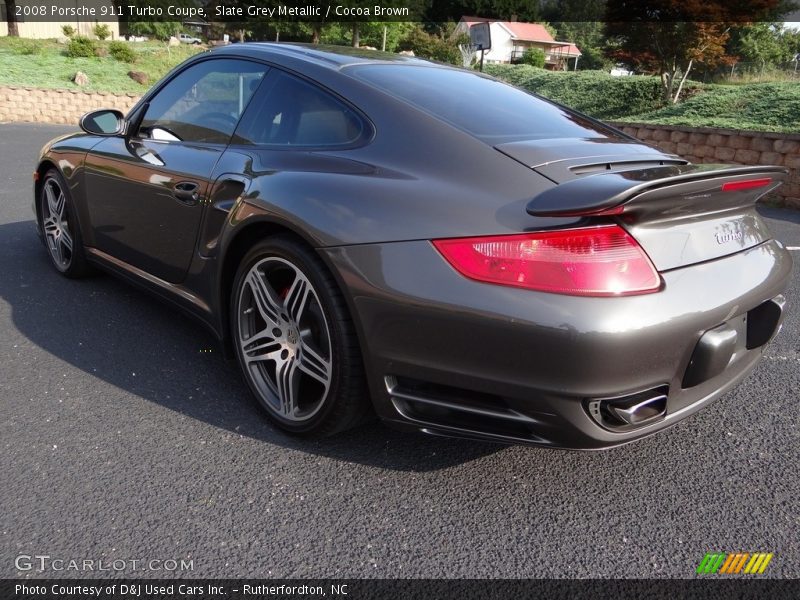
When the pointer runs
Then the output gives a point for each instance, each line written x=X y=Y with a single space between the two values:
x=711 y=145
x=22 y=104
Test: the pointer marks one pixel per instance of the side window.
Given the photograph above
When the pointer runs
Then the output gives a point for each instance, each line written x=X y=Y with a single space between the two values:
x=291 y=112
x=203 y=103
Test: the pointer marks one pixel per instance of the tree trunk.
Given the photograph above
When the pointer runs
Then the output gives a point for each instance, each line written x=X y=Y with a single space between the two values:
x=667 y=80
x=683 y=80
x=11 y=18
x=241 y=34
x=316 y=33
x=356 y=35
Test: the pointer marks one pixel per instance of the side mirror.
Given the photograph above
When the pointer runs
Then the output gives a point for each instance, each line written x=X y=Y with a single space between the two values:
x=106 y=122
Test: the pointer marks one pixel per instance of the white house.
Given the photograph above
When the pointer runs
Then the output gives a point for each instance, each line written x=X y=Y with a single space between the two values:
x=510 y=39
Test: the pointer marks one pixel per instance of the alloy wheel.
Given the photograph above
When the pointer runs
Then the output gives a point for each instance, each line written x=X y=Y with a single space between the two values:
x=55 y=224
x=284 y=339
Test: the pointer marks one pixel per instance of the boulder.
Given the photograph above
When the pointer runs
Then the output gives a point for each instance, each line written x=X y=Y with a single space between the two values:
x=173 y=41
x=80 y=78
x=138 y=77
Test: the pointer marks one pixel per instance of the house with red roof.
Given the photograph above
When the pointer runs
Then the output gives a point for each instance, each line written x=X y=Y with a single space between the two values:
x=510 y=39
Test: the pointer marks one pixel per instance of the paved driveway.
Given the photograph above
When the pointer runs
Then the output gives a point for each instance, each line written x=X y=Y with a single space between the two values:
x=124 y=438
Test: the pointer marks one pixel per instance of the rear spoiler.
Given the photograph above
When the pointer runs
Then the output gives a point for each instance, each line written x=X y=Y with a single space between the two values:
x=614 y=193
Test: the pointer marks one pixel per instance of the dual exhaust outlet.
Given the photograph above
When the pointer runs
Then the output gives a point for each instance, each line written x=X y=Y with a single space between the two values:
x=631 y=411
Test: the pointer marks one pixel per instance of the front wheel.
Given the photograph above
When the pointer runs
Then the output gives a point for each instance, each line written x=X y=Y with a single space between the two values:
x=295 y=341
x=59 y=226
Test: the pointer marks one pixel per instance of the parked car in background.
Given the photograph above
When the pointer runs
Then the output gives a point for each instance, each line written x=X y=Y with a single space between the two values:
x=185 y=38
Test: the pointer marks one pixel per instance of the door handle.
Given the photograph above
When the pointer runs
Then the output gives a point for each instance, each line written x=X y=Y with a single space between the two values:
x=186 y=192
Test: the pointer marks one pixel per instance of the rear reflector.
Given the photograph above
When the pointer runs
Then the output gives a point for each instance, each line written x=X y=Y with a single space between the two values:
x=747 y=184
x=592 y=261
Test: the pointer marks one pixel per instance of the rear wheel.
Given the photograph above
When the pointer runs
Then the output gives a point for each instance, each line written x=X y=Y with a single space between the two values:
x=295 y=341
x=59 y=227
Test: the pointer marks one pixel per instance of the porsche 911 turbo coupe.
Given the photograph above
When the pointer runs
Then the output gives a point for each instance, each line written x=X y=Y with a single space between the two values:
x=370 y=233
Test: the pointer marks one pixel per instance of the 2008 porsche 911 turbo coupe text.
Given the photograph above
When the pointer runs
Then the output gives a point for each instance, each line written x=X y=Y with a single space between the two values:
x=375 y=233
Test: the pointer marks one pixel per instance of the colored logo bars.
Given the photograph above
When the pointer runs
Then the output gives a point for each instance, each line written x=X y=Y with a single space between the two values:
x=734 y=563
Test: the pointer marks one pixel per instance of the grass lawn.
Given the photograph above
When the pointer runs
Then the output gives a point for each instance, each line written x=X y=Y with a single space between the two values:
x=43 y=64
x=756 y=106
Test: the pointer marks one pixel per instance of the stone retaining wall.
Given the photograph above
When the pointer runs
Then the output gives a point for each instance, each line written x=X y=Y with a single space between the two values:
x=712 y=145
x=32 y=105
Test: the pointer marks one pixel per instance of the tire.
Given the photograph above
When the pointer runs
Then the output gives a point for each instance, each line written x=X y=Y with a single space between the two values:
x=59 y=227
x=295 y=341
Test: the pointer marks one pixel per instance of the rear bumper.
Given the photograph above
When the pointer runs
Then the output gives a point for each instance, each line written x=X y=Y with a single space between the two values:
x=451 y=356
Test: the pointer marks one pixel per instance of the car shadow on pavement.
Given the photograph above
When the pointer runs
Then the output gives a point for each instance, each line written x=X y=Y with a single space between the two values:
x=127 y=338
x=779 y=213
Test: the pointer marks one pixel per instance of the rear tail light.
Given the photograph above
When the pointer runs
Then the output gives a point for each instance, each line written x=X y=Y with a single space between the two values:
x=747 y=184
x=593 y=261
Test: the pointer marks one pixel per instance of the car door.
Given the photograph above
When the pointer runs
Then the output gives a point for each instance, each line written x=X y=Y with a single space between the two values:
x=146 y=192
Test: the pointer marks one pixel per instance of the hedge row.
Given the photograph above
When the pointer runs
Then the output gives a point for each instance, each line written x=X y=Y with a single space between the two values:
x=595 y=93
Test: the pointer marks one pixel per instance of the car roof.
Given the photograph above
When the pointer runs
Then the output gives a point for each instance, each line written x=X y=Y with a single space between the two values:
x=333 y=57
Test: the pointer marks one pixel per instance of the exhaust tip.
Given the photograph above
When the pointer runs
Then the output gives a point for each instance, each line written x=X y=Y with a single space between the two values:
x=627 y=412
x=639 y=412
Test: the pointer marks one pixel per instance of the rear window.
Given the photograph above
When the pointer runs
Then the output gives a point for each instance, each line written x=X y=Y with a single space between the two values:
x=486 y=108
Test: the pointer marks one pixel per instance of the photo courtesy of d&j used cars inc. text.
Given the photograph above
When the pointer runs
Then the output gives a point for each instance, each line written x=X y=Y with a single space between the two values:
x=410 y=299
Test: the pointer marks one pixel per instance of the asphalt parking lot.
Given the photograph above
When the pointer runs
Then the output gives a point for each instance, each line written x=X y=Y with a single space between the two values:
x=126 y=435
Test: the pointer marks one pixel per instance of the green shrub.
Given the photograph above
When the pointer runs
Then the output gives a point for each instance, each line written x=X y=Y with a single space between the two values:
x=533 y=57
x=27 y=47
x=101 y=31
x=434 y=47
x=68 y=30
x=595 y=93
x=122 y=52
x=81 y=47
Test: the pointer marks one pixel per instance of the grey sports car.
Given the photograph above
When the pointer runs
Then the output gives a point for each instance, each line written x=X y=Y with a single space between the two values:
x=375 y=234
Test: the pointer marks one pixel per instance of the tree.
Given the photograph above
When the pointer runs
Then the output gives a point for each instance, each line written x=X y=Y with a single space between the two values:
x=534 y=57
x=589 y=37
x=667 y=37
x=366 y=27
x=762 y=43
x=508 y=10
x=11 y=18
x=373 y=34
x=670 y=49
x=161 y=30
x=101 y=31
x=791 y=39
x=441 y=45
x=670 y=37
